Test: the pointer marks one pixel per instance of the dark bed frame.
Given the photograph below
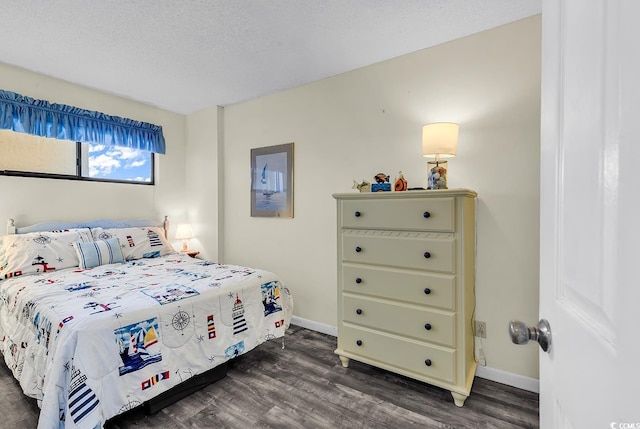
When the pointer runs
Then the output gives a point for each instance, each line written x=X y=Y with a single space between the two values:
x=184 y=389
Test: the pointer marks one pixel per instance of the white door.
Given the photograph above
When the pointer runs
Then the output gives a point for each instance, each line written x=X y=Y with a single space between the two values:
x=590 y=214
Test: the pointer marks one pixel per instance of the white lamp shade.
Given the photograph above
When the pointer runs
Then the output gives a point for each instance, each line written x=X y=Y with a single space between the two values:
x=184 y=232
x=440 y=140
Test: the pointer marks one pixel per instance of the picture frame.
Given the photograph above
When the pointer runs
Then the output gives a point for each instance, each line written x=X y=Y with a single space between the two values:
x=272 y=181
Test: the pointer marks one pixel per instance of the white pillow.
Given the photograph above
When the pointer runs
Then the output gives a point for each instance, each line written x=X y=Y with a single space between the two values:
x=37 y=252
x=100 y=252
x=85 y=233
x=136 y=243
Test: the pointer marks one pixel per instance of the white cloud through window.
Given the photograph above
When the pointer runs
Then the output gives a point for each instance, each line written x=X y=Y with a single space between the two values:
x=120 y=163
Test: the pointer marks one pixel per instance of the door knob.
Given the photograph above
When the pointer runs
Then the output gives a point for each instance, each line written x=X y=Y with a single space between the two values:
x=521 y=334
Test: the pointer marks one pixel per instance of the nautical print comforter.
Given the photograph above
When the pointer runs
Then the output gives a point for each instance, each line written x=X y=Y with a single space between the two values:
x=91 y=344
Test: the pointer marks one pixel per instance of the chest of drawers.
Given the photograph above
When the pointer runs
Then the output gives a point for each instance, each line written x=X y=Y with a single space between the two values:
x=406 y=284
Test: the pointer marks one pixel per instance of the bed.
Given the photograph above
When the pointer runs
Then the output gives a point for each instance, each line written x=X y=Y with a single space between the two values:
x=101 y=317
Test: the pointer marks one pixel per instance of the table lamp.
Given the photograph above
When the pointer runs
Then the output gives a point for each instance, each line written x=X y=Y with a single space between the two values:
x=439 y=140
x=184 y=233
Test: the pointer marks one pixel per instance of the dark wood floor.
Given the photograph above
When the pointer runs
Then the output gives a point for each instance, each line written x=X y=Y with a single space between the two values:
x=305 y=386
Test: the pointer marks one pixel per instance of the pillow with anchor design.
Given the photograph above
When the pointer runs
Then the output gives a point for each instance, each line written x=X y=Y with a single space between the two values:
x=38 y=252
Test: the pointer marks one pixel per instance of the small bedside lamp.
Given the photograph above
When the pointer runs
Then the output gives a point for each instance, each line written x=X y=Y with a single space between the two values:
x=184 y=233
x=439 y=140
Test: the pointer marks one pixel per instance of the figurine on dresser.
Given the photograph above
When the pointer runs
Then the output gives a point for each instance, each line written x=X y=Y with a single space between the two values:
x=364 y=186
x=382 y=183
x=400 y=184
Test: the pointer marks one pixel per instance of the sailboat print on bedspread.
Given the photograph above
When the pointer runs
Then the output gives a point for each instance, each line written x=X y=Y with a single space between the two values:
x=271 y=297
x=138 y=345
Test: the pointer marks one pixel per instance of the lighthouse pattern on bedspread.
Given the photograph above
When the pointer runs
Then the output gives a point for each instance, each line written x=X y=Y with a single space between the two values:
x=91 y=344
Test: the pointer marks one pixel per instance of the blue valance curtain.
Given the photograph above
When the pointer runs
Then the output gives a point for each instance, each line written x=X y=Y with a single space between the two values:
x=41 y=118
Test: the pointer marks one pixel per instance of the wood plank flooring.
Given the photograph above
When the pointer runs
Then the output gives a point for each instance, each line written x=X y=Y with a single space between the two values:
x=305 y=386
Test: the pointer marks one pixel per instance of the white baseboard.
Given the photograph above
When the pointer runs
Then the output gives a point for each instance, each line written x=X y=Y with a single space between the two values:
x=509 y=378
x=497 y=375
x=315 y=326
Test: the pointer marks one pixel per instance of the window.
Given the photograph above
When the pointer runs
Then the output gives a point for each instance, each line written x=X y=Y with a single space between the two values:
x=28 y=155
x=116 y=163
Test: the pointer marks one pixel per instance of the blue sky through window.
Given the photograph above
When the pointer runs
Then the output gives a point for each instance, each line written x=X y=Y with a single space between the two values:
x=119 y=163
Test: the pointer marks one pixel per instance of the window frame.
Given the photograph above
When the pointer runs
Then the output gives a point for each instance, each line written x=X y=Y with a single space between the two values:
x=79 y=176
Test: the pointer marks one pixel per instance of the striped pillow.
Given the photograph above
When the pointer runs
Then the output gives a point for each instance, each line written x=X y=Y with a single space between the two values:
x=101 y=252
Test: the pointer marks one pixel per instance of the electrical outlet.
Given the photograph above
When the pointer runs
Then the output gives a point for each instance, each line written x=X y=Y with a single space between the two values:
x=481 y=329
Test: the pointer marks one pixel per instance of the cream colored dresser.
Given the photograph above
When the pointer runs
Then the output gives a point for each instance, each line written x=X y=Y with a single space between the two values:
x=406 y=284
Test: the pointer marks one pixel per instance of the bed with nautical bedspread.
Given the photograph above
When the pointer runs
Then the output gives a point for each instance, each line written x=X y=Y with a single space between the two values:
x=93 y=333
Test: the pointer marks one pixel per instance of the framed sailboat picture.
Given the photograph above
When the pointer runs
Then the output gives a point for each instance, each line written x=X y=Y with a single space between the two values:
x=272 y=181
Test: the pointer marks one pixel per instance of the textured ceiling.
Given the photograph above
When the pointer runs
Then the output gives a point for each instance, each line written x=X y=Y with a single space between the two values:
x=186 y=55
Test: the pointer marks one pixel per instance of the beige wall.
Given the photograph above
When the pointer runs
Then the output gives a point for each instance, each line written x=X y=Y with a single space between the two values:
x=31 y=200
x=202 y=173
x=357 y=124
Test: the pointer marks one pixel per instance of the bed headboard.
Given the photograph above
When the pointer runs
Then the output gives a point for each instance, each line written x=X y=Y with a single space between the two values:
x=11 y=226
x=100 y=223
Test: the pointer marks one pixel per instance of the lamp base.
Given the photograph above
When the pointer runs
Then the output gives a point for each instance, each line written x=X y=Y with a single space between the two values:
x=437 y=174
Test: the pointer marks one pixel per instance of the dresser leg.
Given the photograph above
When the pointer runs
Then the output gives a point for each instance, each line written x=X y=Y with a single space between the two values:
x=344 y=360
x=458 y=398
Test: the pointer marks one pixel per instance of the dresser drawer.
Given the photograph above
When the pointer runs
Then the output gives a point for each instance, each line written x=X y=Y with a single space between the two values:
x=424 y=214
x=421 y=359
x=423 y=288
x=422 y=324
x=407 y=250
